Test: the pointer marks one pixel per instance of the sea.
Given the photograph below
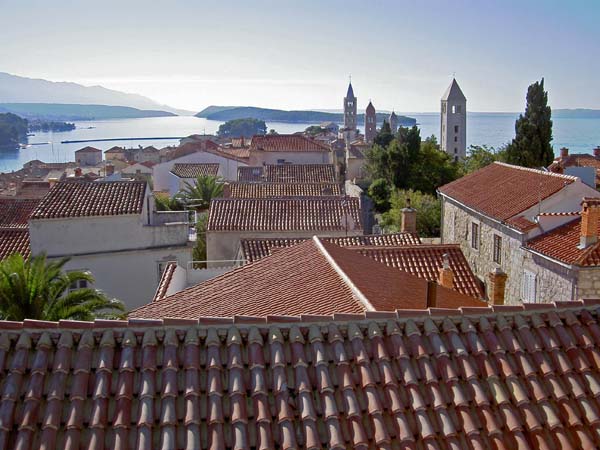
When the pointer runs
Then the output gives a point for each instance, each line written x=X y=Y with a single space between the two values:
x=580 y=135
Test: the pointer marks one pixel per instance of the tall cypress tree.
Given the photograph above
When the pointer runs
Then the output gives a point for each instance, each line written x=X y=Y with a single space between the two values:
x=533 y=131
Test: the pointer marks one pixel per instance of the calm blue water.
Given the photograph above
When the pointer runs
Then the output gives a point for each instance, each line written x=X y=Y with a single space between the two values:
x=493 y=129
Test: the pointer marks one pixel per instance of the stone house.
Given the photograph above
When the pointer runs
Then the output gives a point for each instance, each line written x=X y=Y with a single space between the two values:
x=115 y=153
x=288 y=149
x=233 y=219
x=113 y=230
x=356 y=160
x=88 y=156
x=494 y=212
x=147 y=154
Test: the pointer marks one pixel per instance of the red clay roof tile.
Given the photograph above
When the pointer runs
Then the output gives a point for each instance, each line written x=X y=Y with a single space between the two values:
x=501 y=191
x=576 y=160
x=15 y=213
x=287 y=143
x=14 y=240
x=285 y=214
x=83 y=199
x=189 y=170
x=266 y=190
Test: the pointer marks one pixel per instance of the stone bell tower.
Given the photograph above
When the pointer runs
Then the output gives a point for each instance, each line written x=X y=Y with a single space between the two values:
x=350 y=109
x=453 y=132
x=370 y=123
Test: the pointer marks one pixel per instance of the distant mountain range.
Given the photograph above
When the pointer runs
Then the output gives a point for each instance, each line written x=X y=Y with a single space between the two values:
x=16 y=89
x=224 y=113
x=68 y=111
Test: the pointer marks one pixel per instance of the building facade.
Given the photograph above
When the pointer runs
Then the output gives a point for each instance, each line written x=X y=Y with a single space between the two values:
x=370 y=123
x=453 y=129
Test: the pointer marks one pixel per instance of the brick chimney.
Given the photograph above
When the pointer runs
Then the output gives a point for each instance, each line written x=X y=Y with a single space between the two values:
x=597 y=152
x=431 y=294
x=590 y=216
x=446 y=277
x=564 y=152
x=109 y=170
x=408 y=218
x=497 y=286
x=78 y=171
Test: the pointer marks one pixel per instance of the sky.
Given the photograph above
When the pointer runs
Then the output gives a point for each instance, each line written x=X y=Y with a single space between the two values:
x=299 y=54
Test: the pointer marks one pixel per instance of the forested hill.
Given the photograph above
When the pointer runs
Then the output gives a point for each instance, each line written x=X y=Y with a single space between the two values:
x=224 y=113
x=65 y=111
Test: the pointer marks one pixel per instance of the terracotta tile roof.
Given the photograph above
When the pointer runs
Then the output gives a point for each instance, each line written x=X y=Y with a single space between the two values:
x=82 y=199
x=165 y=280
x=332 y=280
x=264 y=190
x=15 y=213
x=188 y=170
x=250 y=174
x=502 y=378
x=255 y=249
x=194 y=147
x=300 y=173
x=88 y=149
x=241 y=153
x=285 y=214
x=286 y=143
x=501 y=191
x=521 y=223
x=115 y=149
x=576 y=160
x=560 y=214
x=14 y=240
x=562 y=243
x=426 y=261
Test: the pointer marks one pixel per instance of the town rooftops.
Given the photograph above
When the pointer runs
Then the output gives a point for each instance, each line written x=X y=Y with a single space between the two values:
x=577 y=160
x=313 y=277
x=562 y=244
x=508 y=377
x=329 y=213
x=286 y=143
x=15 y=213
x=88 y=149
x=288 y=173
x=255 y=249
x=265 y=190
x=248 y=174
x=83 y=199
x=189 y=170
x=14 y=240
x=502 y=191
x=115 y=149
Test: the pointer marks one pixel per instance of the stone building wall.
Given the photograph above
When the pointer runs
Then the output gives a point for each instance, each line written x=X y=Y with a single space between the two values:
x=588 y=283
x=553 y=282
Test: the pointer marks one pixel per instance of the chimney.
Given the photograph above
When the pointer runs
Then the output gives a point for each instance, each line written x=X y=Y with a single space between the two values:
x=109 y=170
x=226 y=190
x=446 y=277
x=597 y=152
x=78 y=172
x=564 y=152
x=52 y=181
x=409 y=219
x=431 y=294
x=497 y=286
x=590 y=216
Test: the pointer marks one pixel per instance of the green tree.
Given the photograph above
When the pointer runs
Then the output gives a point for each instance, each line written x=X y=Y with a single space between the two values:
x=166 y=203
x=431 y=168
x=533 y=131
x=429 y=212
x=479 y=156
x=35 y=288
x=242 y=127
x=379 y=192
x=199 y=193
x=384 y=135
x=13 y=129
x=313 y=130
x=199 y=250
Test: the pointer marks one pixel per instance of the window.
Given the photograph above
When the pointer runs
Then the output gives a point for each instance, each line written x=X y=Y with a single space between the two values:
x=79 y=284
x=528 y=287
x=281 y=161
x=456 y=128
x=444 y=109
x=497 y=249
x=475 y=235
x=455 y=151
x=455 y=138
x=453 y=109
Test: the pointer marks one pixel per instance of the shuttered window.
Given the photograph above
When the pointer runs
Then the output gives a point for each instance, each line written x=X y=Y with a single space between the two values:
x=528 y=294
x=497 y=249
x=475 y=235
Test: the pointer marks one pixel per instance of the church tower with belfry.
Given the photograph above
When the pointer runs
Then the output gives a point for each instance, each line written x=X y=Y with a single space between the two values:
x=350 y=109
x=394 y=122
x=453 y=129
x=370 y=123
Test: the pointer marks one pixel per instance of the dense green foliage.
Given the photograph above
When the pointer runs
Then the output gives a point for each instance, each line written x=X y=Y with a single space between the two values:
x=242 y=127
x=13 y=129
x=379 y=192
x=166 y=203
x=197 y=195
x=479 y=156
x=533 y=131
x=429 y=212
x=199 y=250
x=36 y=288
x=313 y=130
x=278 y=115
x=50 y=125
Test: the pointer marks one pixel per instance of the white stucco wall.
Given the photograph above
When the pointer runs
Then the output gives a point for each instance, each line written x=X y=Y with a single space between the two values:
x=163 y=179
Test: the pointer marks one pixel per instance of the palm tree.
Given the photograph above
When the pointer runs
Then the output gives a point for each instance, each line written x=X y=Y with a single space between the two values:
x=35 y=288
x=166 y=203
x=199 y=194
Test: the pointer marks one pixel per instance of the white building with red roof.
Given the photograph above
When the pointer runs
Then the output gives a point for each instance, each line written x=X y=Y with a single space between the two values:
x=288 y=149
x=494 y=212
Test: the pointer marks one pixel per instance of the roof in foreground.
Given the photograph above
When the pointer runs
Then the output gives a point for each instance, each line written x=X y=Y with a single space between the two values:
x=313 y=277
x=14 y=240
x=255 y=249
x=15 y=213
x=266 y=190
x=501 y=191
x=562 y=244
x=286 y=143
x=192 y=170
x=330 y=213
x=83 y=199
x=300 y=173
x=507 y=377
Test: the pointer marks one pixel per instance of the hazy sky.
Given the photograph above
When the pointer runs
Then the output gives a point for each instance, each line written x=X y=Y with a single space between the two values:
x=294 y=55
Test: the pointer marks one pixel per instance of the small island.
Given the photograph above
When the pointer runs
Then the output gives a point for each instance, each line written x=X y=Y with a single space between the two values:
x=13 y=130
x=50 y=125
